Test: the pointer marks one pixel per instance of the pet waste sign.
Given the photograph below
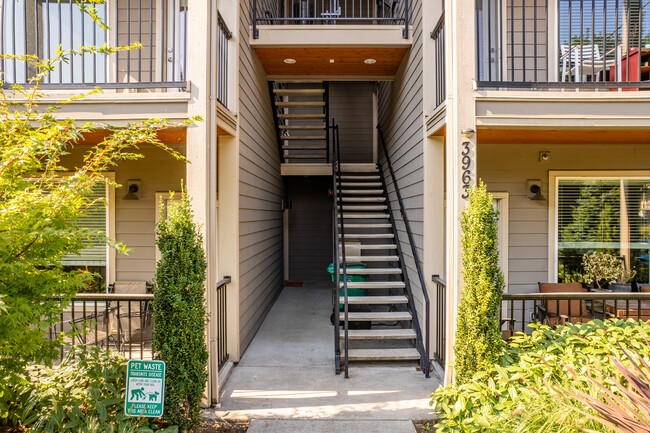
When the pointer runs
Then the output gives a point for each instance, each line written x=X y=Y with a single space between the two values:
x=145 y=388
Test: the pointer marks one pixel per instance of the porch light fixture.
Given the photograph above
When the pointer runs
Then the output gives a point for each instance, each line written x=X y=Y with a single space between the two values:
x=370 y=61
x=544 y=155
x=289 y=61
x=534 y=190
x=133 y=190
x=467 y=132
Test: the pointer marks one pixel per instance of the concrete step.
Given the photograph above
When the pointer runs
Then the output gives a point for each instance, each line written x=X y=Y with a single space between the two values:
x=345 y=192
x=377 y=316
x=360 y=177
x=382 y=199
x=373 y=247
x=383 y=354
x=375 y=300
x=360 y=215
x=369 y=235
x=367 y=226
x=347 y=184
x=373 y=271
x=298 y=147
x=375 y=285
x=352 y=207
x=379 y=334
x=357 y=259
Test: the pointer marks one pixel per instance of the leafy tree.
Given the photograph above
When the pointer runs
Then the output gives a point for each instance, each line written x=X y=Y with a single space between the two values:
x=478 y=327
x=179 y=313
x=40 y=207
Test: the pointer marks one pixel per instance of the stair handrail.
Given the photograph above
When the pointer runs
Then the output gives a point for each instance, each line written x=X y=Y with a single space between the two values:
x=276 y=120
x=416 y=259
x=337 y=210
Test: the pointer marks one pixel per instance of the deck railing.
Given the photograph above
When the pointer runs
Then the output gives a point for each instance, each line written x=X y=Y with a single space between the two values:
x=224 y=36
x=438 y=36
x=441 y=320
x=339 y=12
x=222 y=322
x=40 y=28
x=520 y=310
x=570 y=44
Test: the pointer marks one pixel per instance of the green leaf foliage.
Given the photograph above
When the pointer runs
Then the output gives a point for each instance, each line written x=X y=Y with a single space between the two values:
x=478 y=331
x=528 y=390
x=179 y=313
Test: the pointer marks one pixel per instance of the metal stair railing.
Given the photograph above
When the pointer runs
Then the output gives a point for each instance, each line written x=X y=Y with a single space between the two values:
x=276 y=120
x=421 y=342
x=337 y=211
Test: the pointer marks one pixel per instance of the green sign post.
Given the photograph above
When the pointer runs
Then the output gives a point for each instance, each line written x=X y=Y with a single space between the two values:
x=145 y=388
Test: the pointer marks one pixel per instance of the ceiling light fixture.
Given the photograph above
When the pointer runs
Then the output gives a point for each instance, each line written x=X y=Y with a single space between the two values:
x=370 y=61
x=289 y=61
x=331 y=60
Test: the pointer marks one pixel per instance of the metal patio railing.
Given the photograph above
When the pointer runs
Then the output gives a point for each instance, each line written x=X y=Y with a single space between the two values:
x=41 y=28
x=338 y=12
x=520 y=310
x=224 y=35
x=441 y=320
x=438 y=36
x=571 y=44
x=222 y=322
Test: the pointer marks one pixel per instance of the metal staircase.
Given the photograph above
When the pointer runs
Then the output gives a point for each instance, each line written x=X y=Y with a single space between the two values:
x=300 y=112
x=378 y=319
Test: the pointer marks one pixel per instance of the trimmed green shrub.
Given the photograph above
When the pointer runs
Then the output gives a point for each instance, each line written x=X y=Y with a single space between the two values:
x=85 y=393
x=179 y=313
x=516 y=395
x=478 y=327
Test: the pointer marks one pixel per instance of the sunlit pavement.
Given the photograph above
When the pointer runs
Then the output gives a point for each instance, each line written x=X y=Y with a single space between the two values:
x=285 y=381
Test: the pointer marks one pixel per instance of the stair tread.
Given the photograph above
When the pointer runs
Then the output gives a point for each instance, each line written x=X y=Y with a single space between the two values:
x=363 y=199
x=376 y=316
x=378 y=334
x=361 y=191
x=303 y=137
x=305 y=156
x=363 y=207
x=374 y=300
x=368 y=226
x=369 y=235
x=373 y=271
x=300 y=104
x=374 y=247
x=346 y=183
x=383 y=354
x=299 y=147
x=302 y=92
x=360 y=177
x=375 y=285
x=357 y=259
x=378 y=215
x=301 y=127
x=302 y=116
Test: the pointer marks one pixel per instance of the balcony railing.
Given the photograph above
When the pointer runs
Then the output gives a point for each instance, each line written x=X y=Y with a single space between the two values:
x=537 y=44
x=41 y=27
x=339 y=12
x=438 y=36
x=224 y=35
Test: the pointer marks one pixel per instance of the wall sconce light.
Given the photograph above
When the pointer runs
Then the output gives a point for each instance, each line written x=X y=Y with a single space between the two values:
x=133 y=190
x=544 y=156
x=467 y=132
x=534 y=190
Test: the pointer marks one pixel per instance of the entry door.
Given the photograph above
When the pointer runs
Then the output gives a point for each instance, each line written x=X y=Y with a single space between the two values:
x=176 y=11
x=487 y=33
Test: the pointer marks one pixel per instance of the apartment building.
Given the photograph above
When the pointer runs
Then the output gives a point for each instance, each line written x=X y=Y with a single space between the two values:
x=349 y=131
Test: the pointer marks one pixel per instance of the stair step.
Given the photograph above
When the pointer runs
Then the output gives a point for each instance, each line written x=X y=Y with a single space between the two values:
x=383 y=354
x=322 y=156
x=379 y=334
x=374 y=247
x=302 y=116
x=369 y=235
x=357 y=259
x=303 y=137
x=362 y=215
x=298 y=81
x=293 y=147
x=376 y=316
x=367 y=226
x=369 y=285
x=362 y=207
x=300 y=104
x=301 y=127
x=345 y=184
x=301 y=92
x=363 y=300
x=361 y=191
x=364 y=199
x=373 y=271
x=359 y=177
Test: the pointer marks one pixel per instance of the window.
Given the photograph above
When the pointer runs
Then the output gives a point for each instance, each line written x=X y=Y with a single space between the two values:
x=94 y=256
x=601 y=213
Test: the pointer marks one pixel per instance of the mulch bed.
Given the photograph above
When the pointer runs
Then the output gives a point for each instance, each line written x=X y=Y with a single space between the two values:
x=425 y=426
x=222 y=426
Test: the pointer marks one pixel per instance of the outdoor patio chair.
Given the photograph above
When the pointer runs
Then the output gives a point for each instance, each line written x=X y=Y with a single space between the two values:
x=559 y=312
x=134 y=323
x=584 y=60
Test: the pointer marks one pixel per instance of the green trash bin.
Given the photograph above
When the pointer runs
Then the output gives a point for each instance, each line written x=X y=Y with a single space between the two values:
x=356 y=278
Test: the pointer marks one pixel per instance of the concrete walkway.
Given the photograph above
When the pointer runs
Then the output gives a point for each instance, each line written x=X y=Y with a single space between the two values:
x=285 y=381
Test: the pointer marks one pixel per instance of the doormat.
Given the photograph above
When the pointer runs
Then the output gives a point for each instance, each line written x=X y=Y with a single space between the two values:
x=293 y=284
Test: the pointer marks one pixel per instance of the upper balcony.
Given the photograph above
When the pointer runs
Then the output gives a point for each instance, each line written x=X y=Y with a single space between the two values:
x=42 y=27
x=347 y=39
x=577 y=51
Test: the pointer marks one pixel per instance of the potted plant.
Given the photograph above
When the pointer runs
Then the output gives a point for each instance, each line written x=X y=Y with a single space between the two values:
x=605 y=269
